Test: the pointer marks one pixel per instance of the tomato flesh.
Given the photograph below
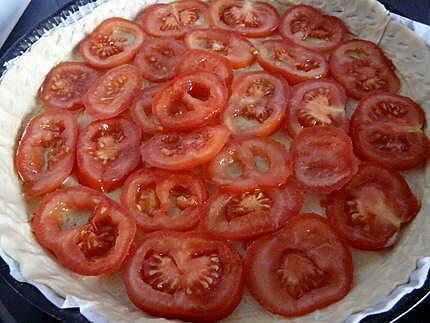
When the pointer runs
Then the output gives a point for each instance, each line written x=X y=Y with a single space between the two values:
x=93 y=246
x=141 y=110
x=185 y=276
x=46 y=152
x=371 y=208
x=299 y=269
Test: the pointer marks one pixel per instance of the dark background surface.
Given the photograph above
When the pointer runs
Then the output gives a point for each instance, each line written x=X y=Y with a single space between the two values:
x=15 y=308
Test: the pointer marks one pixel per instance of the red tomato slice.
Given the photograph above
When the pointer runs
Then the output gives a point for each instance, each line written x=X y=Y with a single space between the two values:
x=257 y=104
x=163 y=200
x=112 y=93
x=88 y=244
x=362 y=68
x=248 y=215
x=179 y=151
x=388 y=128
x=66 y=84
x=108 y=151
x=141 y=110
x=237 y=49
x=185 y=276
x=114 y=42
x=323 y=159
x=299 y=269
x=311 y=28
x=316 y=103
x=369 y=210
x=46 y=152
x=247 y=164
x=250 y=18
x=173 y=19
x=157 y=58
x=190 y=100
x=295 y=63
x=196 y=60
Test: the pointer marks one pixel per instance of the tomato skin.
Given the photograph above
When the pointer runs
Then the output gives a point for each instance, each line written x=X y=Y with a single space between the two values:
x=157 y=58
x=236 y=12
x=112 y=93
x=257 y=97
x=380 y=188
x=363 y=69
x=195 y=98
x=103 y=39
x=197 y=60
x=155 y=19
x=82 y=248
x=323 y=159
x=231 y=45
x=294 y=62
x=211 y=305
x=291 y=252
x=141 y=109
x=66 y=84
x=51 y=135
x=158 y=185
x=108 y=151
x=388 y=128
x=313 y=24
x=181 y=151
x=324 y=98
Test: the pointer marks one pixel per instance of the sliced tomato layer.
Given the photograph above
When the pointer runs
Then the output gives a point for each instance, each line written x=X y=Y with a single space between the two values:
x=316 y=103
x=257 y=104
x=323 y=159
x=185 y=276
x=370 y=209
x=389 y=129
x=179 y=150
x=294 y=62
x=114 y=42
x=299 y=269
x=108 y=151
x=190 y=100
x=247 y=164
x=87 y=232
x=141 y=110
x=46 y=152
x=163 y=200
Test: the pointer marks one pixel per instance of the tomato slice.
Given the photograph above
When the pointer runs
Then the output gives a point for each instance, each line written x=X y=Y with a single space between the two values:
x=141 y=110
x=250 y=18
x=114 y=42
x=301 y=268
x=237 y=49
x=185 y=276
x=157 y=58
x=190 y=100
x=163 y=200
x=362 y=68
x=244 y=216
x=316 y=103
x=112 y=93
x=250 y=163
x=294 y=62
x=311 y=28
x=66 y=84
x=173 y=19
x=179 y=150
x=46 y=152
x=370 y=209
x=108 y=151
x=323 y=159
x=88 y=233
x=257 y=104
x=197 y=60
x=388 y=128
